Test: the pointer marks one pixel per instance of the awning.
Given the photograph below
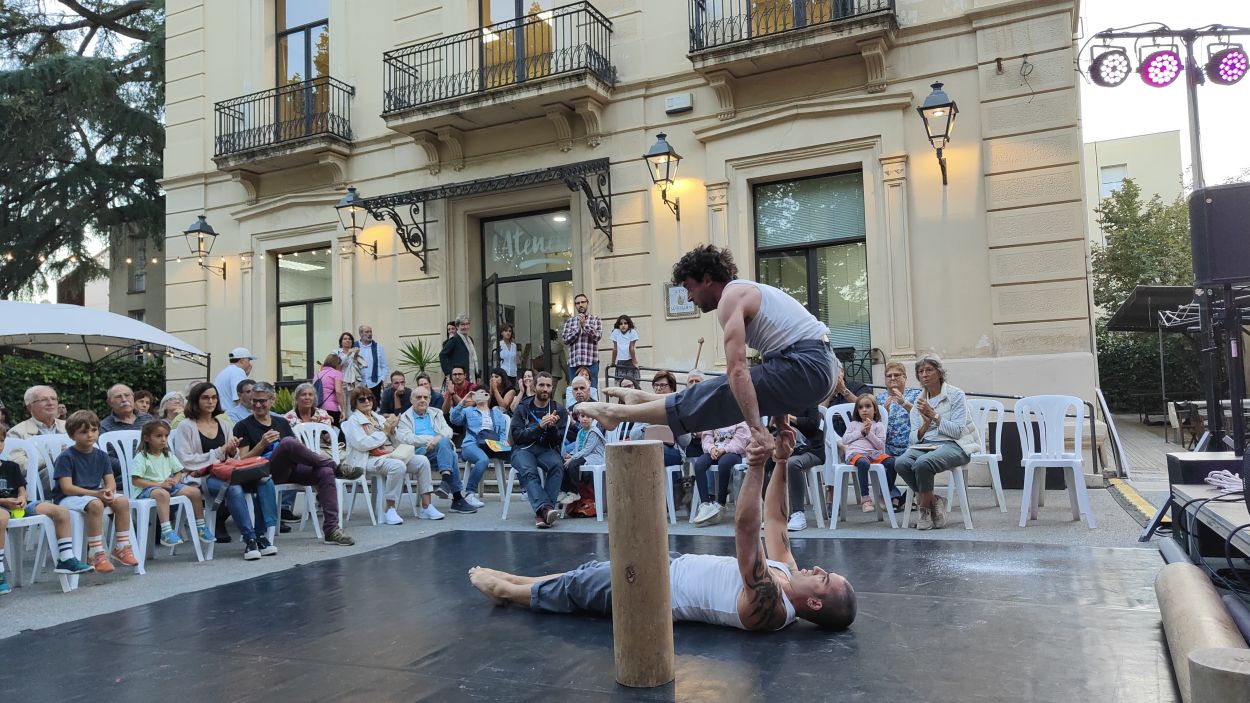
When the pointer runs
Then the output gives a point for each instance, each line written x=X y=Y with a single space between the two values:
x=85 y=334
x=1140 y=312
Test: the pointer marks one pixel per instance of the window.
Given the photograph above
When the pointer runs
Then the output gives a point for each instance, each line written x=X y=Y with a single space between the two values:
x=304 y=332
x=532 y=42
x=137 y=315
x=303 y=64
x=139 y=282
x=809 y=242
x=1110 y=179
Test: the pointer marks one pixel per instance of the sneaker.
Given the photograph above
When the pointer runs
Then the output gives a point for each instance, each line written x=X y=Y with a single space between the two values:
x=4 y=583
x=551 y=516
x=206 y=535
x=100 y=562
x=429 y=512
x=472 y=499
x=540 y=523
x=353 y=473
x=223 y=537
x=125 y=555
x=710 y=515
x=444 y=489
x=865 y=505
x=284 y=528
x=266 y=549
x=73 y=565
x=461 y=506
x=798 y=522
x=289 y=515
x=926 y=519
x=339 y=537
x=568 y=498
x=251 y=551
x=391 y=517
x=170 y=539
x=939 y=513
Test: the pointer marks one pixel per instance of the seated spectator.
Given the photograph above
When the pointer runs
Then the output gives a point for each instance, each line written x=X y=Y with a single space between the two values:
x=83 y=482
x=41 y=402
x=143 y=402
x=333 y=388
x=268 y=435
x=305 y=408
x=663 y=383
x=501 y=391
x=62 y=412
x=171 y=408
x=456 y=388
x=582 y=372
x=370 y=442
x=482 y=423
x=809 y=451
x=398 y=397
x=203 y=440
x=525 y=389
x=941 y=433
x=158 y=475
x=863 y=444
x=436 y=396
x=579 y=392
x=897 y=400
x=625 y=382
x=537 y=432
x=847 y=391
x=243 y=408
x=427 y=431
x=588 y=448
x=724 y=447
x=124 y=416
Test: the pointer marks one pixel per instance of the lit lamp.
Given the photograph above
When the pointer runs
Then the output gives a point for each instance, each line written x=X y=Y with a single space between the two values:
x=938 y=112
x=200 y=239
x=662 y=161
x=352 y=215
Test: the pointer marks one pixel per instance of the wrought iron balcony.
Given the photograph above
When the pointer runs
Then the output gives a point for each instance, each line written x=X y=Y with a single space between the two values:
x=717 y=23
x=284 y=117
x=573 y=40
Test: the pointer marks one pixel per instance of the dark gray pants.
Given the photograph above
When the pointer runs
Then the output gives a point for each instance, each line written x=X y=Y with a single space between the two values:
x=586 y=589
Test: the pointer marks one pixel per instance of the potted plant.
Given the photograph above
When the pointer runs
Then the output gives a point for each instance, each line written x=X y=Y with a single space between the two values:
x=417 y=357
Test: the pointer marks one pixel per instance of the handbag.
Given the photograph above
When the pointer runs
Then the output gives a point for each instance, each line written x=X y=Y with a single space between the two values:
x=492 y=444
x=403 y=452
x=238 y=472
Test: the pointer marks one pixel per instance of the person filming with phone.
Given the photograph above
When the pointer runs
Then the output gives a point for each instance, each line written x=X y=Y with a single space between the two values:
x=941 y=437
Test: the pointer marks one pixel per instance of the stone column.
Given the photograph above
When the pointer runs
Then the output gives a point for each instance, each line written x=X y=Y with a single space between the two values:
x=246 y=298
x=344 y=284
x=898 y=251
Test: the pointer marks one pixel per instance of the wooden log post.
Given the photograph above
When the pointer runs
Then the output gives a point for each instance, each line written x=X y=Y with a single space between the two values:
x=642 y=611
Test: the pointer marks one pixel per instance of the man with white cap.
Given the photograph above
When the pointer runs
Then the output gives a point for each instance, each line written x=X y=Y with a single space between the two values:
x=227 y=381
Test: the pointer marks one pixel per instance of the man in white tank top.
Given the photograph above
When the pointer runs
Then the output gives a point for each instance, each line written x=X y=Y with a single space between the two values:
x=798 y=371
x=748 y=591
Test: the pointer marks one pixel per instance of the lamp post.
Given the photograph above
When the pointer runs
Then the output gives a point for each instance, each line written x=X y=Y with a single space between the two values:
x=352 y=215
x=938 y=112
x=662 y=161
x=200 y=239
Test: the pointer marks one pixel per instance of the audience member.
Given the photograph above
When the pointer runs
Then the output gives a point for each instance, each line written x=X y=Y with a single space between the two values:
x=171 y=408
x=482 y=423
x=580 y=380
x=848 y=391
x=203 y=440
x=375 y=369
x=451 y=329
x=268 y=435
x=588 y=448
x=62 y=411
x=350 y=364
x=506 y=352
x=239 y=368
x=863 y=444
x=941 y=433
x=897 y=400
x=333 y=389
x=724 y=447
x=423 y=381
x=83 y=482
x=663 y=383
x=459 y=351
x=581 y=335
x=809 y=451
x=624 y=343
x=525 y=389
x=502 y=392
x=398 y=397
x=124 y=416
x=537 y=431
x=156 y=474
x=456 y=388
x=243 y=408
x=372 y=447
x=427 y=431
x=305 y=407
x=41 y=402
x=143 y=402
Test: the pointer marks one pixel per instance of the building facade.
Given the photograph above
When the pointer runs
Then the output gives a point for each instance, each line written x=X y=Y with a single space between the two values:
x=136 y=283
x=1153 y=161
x=500 y=142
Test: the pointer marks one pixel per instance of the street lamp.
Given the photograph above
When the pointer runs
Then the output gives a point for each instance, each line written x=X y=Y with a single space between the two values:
x=200 y=239
x=662 y=160
x=938 y=112
x=352 y=215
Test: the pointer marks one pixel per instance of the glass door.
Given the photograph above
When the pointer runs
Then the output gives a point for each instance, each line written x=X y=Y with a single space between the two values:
x=492 y=318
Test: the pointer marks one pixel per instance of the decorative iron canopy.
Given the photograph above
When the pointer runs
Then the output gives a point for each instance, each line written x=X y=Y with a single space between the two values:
x=408 y=210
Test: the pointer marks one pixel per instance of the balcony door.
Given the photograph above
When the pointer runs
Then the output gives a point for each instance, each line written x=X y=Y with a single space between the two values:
x=517 y=42
x=303 y=53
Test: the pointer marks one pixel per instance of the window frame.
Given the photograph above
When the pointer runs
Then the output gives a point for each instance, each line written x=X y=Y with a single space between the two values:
x=308 y=304
x=306 y=30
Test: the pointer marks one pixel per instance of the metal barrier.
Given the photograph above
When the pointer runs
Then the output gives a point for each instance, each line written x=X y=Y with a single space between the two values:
x=717 y=23
x=278 y=115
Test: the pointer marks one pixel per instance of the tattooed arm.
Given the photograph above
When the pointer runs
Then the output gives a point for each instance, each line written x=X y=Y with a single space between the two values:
x=759 y=604
x=776 y=538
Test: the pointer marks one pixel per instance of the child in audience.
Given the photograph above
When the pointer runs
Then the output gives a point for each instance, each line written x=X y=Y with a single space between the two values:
x=863 y=444
x=14 y=504
x=157 y=474
x=588 y=448
x=83 y=481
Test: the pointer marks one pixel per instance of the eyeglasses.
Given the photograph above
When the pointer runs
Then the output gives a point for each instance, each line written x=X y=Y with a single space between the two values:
x=363 y=400
x=260 y=401
x=660 y=384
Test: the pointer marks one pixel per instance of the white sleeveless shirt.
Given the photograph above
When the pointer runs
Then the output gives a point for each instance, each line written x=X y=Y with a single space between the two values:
x=705 y=588
x=781 y=320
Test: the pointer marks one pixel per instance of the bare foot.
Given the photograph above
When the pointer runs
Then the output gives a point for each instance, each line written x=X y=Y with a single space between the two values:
x=503 y=575
x=607 y=414
x=628 y=396
x=488 y=585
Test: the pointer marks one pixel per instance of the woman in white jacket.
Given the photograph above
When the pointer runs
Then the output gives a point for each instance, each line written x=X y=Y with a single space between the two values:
x=368 y=435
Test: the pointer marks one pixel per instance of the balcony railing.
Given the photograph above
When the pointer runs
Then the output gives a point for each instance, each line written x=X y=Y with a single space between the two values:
x=566 y=40
x=717 y=23
x=321 y=106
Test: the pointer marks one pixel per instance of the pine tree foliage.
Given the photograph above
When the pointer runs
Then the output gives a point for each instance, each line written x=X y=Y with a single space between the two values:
x=82 y=96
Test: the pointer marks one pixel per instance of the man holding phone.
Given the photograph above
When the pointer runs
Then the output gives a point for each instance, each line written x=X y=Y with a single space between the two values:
x=537 y=431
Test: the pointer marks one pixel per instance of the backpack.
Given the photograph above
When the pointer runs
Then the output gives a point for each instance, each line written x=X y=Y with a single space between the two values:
x=317 y=388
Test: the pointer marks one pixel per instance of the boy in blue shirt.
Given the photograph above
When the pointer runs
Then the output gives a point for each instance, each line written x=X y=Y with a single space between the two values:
x=82 y=480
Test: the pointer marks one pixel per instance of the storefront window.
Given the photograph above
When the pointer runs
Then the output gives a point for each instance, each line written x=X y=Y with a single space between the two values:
x=527 y=245
x=304 y=332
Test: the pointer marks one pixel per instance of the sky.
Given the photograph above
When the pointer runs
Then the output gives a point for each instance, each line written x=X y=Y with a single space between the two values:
x=1134 y=108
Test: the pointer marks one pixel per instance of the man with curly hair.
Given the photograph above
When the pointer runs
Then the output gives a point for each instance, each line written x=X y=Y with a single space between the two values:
x=798 y=371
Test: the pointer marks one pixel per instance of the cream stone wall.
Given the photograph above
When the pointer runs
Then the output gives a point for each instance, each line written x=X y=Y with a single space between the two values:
x=988 y=271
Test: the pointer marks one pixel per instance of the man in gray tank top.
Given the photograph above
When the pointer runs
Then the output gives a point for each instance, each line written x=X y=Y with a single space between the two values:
x=748 y=591
x=798 y=371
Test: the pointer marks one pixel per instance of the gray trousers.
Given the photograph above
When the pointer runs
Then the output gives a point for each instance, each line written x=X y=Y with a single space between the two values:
x=918 y=467
x=586 y=589
x=796 y=478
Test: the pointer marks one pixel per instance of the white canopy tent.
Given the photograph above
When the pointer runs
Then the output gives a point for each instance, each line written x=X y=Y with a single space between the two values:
x=86 y=334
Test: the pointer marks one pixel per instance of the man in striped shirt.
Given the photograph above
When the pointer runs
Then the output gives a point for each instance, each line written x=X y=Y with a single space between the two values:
x=581 y=336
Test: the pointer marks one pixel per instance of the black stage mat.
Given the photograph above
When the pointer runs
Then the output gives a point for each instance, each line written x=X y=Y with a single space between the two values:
x=938 y=621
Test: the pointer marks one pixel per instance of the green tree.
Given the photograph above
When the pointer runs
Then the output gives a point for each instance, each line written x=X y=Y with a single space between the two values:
x=82 y=95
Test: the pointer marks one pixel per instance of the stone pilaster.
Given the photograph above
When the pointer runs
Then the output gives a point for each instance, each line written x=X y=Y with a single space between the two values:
x=898 y=246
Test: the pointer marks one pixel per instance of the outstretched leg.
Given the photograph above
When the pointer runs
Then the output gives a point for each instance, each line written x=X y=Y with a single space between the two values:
x=631 y=396
x=497 y=590
x=611 y=414
x=514 y=578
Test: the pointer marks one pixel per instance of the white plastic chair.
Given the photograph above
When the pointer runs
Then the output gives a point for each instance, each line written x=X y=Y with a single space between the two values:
x=838 y=474
x=1050 y=413
x=125 y=444
x=662 y=433
x=315 y=436
x=498 y=463
x=596 y=472
x=980 y=410
x=42 y=523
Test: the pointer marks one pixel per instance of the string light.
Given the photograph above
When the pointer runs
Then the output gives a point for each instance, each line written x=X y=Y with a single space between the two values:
x=153 y=259
x=128 y=261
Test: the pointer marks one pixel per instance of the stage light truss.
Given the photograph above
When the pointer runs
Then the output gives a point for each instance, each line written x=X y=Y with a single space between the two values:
x=1159 y=60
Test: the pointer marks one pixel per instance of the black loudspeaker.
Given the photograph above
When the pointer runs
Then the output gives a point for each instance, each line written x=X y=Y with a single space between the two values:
x=1219 y=228
x=1192 y=467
